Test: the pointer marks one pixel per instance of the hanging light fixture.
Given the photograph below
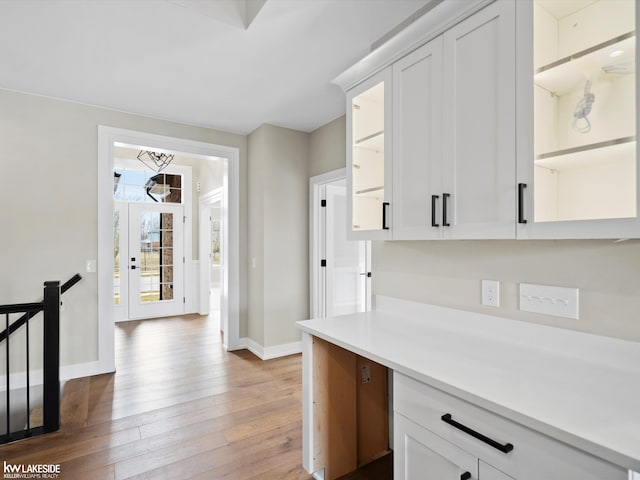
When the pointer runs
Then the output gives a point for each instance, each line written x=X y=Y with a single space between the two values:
x=154 y=160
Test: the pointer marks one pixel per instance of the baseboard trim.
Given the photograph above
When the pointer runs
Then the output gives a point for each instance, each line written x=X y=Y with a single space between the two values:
x=267 y=353
x=67 y=372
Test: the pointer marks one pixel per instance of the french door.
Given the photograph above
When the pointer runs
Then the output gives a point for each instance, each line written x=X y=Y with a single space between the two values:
x=151 y=261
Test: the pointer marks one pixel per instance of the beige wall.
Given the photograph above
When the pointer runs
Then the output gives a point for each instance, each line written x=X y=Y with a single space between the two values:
x=48 y=154
x=278 y=228
x=256 y=146
x=327 y=147
x=449 y=272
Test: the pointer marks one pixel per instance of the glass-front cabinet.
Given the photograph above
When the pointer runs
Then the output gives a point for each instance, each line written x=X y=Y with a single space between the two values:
x=577 y=155
x=368 y=158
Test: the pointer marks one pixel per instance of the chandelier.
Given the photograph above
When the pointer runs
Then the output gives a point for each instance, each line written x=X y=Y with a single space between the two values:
x=154 y=160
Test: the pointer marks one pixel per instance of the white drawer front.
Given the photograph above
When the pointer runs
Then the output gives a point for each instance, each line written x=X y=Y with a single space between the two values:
x=534 y=456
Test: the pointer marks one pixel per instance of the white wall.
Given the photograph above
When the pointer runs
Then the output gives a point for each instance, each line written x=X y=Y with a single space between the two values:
x=449 y=272
x=48 y=155
x=278 y=227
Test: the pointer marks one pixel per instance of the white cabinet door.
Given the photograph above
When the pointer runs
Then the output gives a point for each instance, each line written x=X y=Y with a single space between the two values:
x=577 y=120
x=369 y=143
x=421 y=455
x=417 y=144
x=487 y=472
x=479 y=125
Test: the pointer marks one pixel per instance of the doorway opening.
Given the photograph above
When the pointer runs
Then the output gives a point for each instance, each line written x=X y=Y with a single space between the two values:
x=213 y=253
x=340 y=268
x=151 y=226
x=161 y=236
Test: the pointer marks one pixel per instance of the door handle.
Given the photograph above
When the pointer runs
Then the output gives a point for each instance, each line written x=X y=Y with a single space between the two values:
x=465 y=476
x=368 y=274
x=445 y=196
x=384 y=215
x=434 y=199
x=521 y=187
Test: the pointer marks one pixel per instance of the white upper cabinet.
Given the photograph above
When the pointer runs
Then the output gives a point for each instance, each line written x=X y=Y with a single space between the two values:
x=417 y=144
x=479 y=125
x=577 y=88
x=369 y=158
x=454 y=132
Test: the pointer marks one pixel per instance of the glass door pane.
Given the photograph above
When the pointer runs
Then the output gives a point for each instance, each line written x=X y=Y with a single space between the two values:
x=584 y=110
x=156 y=263
x=368 y=158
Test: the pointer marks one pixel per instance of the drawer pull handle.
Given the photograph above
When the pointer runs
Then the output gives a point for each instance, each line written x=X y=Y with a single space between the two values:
x=465 y=476
x=506 y=448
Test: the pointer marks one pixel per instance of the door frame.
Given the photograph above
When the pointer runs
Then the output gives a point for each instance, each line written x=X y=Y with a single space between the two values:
x=316 y=242
x=107 y=138
x=206 y=201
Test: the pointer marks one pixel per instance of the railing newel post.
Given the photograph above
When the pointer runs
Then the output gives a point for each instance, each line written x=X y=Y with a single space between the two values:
x=51 y=354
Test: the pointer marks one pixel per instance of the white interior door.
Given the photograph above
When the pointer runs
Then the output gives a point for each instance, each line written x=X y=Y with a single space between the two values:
x=347 y=277
x=155 y=260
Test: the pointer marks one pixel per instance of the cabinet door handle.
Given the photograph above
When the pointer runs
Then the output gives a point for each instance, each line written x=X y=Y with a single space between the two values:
x=384 y=215
x=521 y=187
x=465 y=476
x=445 y=196
x=434 y=199
x=506 y=448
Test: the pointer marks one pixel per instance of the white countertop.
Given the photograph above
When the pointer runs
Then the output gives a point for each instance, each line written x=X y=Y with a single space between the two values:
x=578 y=388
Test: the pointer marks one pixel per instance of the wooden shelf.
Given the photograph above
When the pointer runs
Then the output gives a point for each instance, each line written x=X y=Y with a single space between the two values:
x=588 y=155
x=569 y=73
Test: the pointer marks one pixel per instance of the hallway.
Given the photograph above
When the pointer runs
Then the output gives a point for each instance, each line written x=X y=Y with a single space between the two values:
x=178 y=407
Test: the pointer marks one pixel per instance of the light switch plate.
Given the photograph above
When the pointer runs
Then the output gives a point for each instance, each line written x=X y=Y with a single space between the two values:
x=549 y=300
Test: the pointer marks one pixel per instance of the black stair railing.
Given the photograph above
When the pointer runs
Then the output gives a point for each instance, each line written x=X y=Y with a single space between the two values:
x=50 y=307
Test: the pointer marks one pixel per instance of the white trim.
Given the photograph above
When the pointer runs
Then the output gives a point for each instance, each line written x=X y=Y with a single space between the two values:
x=441 y=18
x=205 y=201
x=107 y=136
x=36 y=377
x=268 y=353
x=308 y=427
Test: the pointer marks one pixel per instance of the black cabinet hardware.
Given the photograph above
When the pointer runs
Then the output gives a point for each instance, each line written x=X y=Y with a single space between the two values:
x=445 y=196
x=368 y=274
x=434 y=200
x=465 y=476
x=521 y=187
x=506 y=448
x=384 y=215
x=133 y=267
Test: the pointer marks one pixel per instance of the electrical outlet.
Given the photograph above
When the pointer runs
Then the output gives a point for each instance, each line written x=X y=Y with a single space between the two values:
x=366 y=374
x=491 y=293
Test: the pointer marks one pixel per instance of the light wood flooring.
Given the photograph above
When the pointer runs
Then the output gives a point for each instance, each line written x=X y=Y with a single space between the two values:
x=178 y=407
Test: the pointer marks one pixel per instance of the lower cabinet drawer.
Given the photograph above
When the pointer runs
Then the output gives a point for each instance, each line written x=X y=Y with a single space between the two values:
x=510 y=447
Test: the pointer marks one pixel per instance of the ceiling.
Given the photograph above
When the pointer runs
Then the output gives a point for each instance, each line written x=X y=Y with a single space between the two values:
x=195 y=61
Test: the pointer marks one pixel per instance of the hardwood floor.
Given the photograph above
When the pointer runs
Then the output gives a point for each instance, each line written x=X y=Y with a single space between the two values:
x=178 y=407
